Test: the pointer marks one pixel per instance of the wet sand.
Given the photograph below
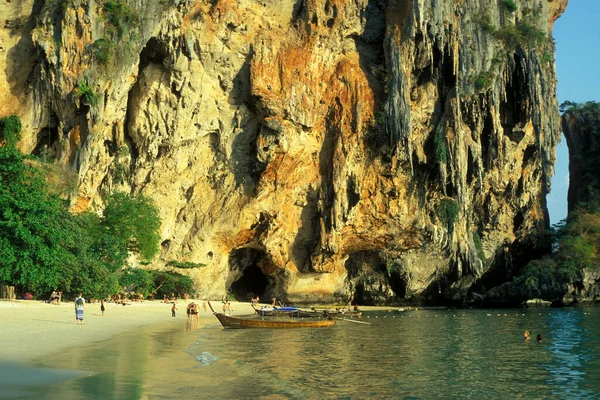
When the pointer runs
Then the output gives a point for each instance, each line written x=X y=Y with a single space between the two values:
x=30 y=330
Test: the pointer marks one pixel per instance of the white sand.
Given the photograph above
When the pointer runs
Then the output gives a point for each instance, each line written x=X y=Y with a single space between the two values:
x=32 y=329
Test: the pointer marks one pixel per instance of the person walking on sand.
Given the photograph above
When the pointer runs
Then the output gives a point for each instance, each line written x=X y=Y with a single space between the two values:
x=173 y=310
x=102 y=306
x=79 y=308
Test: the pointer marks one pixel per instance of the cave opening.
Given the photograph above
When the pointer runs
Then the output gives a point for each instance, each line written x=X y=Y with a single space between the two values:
x=250 y=280
x=359 y=294
x=154 y=52
x=46 y=140
x=398 y=285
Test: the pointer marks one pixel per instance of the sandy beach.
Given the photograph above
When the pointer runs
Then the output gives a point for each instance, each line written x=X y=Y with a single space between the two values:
x=30 y=330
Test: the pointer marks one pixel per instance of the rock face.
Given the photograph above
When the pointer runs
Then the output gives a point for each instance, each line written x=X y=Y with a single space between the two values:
x=313 y=150
x=581 y=127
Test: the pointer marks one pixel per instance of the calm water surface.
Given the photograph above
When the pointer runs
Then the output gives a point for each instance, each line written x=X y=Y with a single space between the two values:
x=425 y=354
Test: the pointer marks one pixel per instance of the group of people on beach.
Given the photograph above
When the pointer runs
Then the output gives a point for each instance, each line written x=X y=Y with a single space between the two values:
x=56 y=297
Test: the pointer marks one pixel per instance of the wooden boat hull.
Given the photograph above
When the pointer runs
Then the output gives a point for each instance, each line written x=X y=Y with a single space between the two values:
x=231 y=322
x=316 y=313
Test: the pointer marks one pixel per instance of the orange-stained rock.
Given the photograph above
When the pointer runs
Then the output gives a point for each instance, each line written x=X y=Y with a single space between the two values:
x=322 y=145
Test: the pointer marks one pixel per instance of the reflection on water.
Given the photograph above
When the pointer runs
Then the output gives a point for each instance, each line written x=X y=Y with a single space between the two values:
x=415 y=355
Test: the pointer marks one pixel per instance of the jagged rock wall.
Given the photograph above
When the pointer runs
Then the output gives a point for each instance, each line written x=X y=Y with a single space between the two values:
x=581 y=128
x=315 y=150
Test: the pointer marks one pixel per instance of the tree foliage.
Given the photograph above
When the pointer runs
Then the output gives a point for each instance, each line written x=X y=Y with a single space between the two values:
x=448 y=210
x=119 y=15
x=135 y=221
x=576 y=239
x=44 y=247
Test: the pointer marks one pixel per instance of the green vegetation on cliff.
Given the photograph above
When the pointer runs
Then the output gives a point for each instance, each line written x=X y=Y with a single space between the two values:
x=448 y=210
x=577 y=238
x=44 y=247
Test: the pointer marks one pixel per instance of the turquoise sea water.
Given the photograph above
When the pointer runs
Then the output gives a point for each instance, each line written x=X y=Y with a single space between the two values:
x=424 y=354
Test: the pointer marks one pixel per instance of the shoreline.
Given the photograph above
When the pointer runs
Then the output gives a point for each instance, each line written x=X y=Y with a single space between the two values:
x=32 y=329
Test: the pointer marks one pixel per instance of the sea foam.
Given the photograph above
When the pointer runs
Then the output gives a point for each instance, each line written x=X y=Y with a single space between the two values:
x=206 y=358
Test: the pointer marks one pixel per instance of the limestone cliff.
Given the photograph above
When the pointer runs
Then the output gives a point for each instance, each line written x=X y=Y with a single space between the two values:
x=581 y=127
x=313 y=150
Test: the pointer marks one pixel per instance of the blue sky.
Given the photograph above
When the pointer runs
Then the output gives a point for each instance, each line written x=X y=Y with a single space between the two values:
x=577 y=37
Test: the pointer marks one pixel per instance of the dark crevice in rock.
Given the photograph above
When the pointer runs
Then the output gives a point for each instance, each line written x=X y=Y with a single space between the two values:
x=111 y=147
x=447 y=67
x=486 y=141
x=528 y=154
x=47 y=138
x=130 y=143
x=514 y=110
x=154 y=52
x=352 y=193
x=369 y=280
x=520 y=187
x=249 y=280
x=327 y=194
x=308 y=234
x=470 y=167
x=245 y=164
x=518 y=220
x=241 y=91
x=370 y=48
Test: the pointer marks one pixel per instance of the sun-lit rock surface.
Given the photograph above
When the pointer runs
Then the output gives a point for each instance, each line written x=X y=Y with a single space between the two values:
x=305 y=149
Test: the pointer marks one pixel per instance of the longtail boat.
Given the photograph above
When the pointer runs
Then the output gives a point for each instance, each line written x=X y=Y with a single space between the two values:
x=231 y=322
x=329 y=313
x=276 y=311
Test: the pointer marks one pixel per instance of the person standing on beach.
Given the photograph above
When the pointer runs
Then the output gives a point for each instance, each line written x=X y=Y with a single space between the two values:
x=102 y=306
x=173 y=310
x=79 y=308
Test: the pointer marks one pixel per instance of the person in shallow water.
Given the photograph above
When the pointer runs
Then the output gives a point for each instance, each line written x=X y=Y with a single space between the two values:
x=526 y=335
x=539 y=338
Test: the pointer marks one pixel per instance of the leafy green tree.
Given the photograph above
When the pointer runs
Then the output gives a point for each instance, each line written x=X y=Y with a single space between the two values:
x=43 y=246
x=171 y=282
x=137 y=280
x=135 y=221
x=35 y=242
